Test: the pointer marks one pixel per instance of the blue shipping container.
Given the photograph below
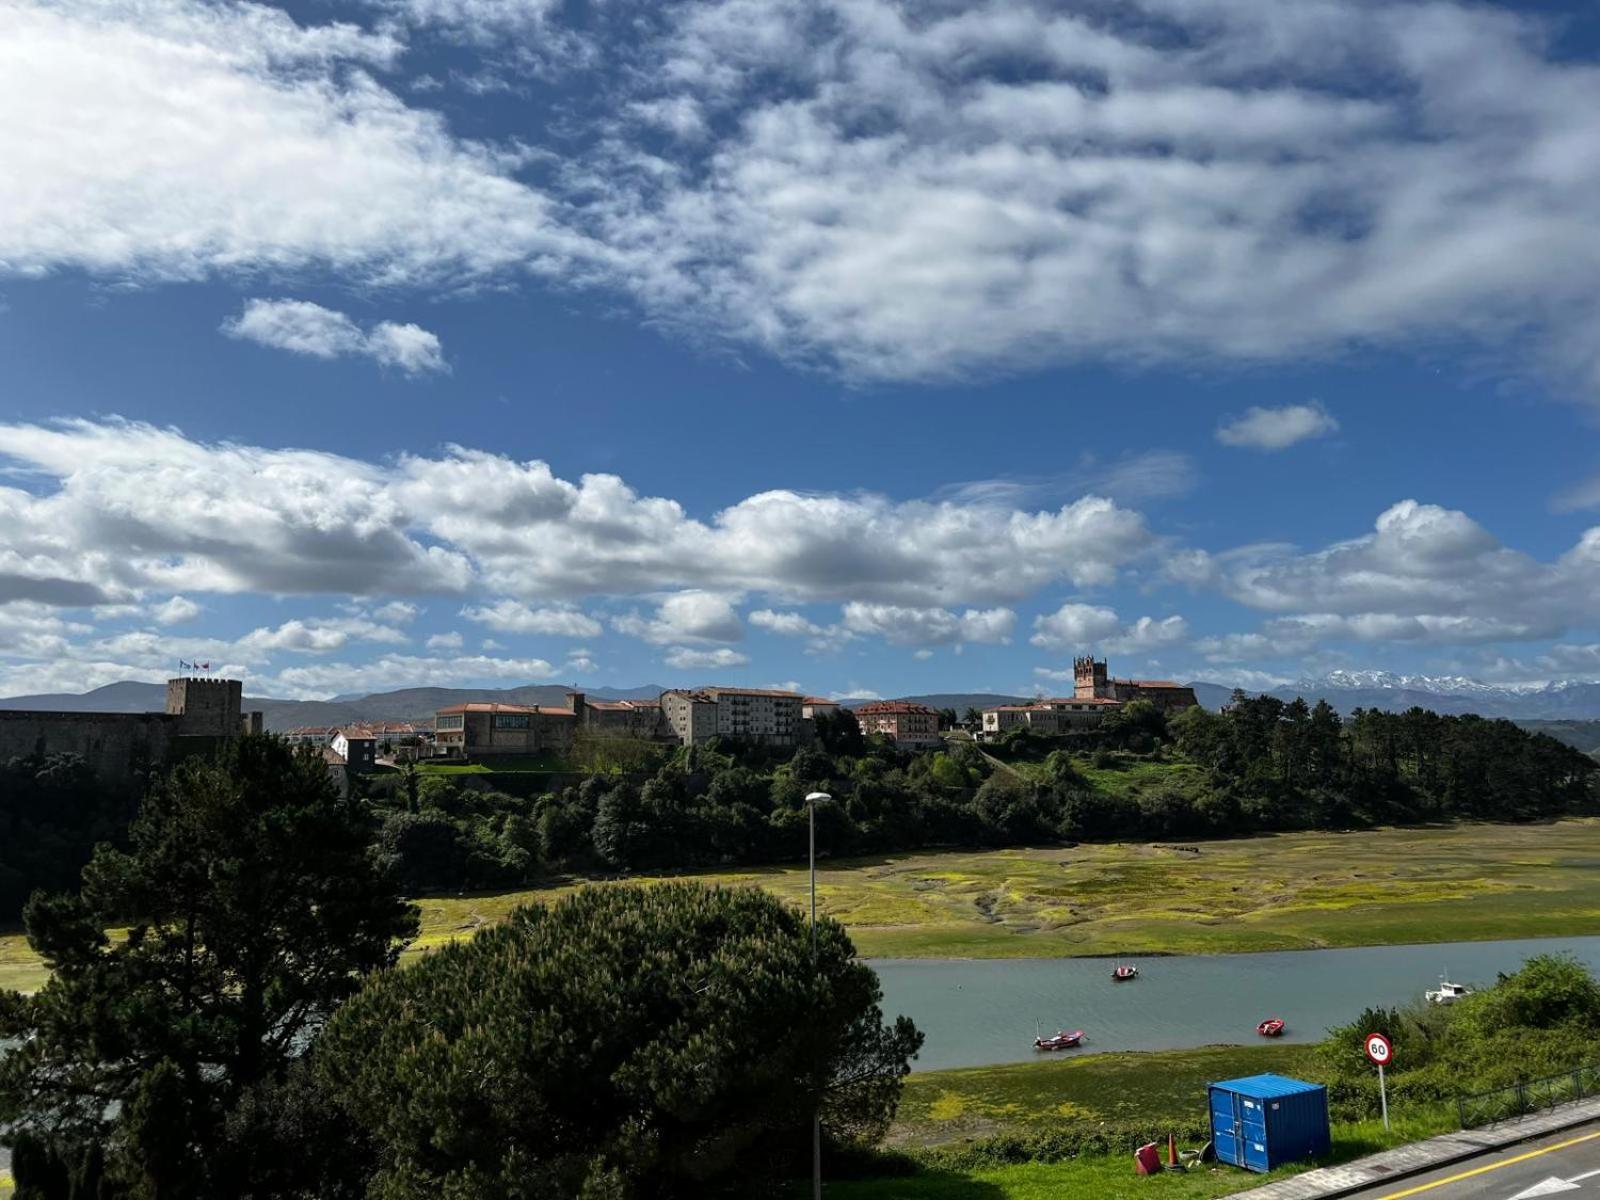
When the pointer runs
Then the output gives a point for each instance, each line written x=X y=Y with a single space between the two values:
x=1264 y=1121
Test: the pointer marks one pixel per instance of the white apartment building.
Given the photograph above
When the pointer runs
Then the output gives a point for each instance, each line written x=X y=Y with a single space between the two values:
x=756 y=714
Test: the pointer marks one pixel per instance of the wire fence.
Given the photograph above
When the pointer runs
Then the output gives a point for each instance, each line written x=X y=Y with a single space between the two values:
x=1536 y=1095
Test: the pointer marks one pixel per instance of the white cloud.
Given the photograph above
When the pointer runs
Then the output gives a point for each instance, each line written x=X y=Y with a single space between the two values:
x=176 y=139
x=513 y=616
x=1246 y=180
x=444 y=641
x=786 y=624
x=1567 y=659
x=688 y=658
x=906 y=626
x=1153 y=474
x=899 y=191
x=1420 y=561
x=302 y=327
x=1580 y=495
x=396 y=671
x=1075 y=626
x=922 y=655
x=395 y=612
x=692 y=616
x=1276 y=428
x=175 y=611
x=1147 y=633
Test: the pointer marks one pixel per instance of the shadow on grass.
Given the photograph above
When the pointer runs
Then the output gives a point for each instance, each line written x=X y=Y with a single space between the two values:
x=926 y=1184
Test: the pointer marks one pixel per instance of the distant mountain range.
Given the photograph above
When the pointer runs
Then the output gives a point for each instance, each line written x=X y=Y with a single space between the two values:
x=1562 y=701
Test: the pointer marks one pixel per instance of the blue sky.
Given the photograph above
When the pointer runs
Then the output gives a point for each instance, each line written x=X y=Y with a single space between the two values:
x=868 y=347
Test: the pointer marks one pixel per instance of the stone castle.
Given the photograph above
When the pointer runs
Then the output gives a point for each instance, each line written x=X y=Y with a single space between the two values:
x=121 y=747
x=1091 y=682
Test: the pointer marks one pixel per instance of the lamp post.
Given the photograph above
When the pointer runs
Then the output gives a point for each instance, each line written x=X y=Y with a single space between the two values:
x=812 y=800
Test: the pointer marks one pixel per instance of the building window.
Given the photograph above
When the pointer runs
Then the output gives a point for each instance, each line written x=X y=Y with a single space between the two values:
x=451 y=722
x=511 y=720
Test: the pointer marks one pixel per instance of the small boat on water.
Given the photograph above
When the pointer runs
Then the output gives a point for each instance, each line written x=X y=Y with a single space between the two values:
x=1123 y=972
x=1271 y=1027
x=1446 y=992
x=1061 y=1041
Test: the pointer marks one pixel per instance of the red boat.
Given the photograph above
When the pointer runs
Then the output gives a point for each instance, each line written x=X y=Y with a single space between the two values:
x=1124 y=973
x=1061 y=1041
x=1271 y=1027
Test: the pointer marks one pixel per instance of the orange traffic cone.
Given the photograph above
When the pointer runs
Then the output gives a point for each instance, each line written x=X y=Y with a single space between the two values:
x=1172 y=1150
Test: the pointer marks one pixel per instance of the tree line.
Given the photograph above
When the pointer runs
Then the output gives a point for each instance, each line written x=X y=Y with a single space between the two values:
x=1262 y=764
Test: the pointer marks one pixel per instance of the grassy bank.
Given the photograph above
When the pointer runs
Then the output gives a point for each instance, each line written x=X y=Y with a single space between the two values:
x=1284 y=892
x=1153 y=1089
x=1111 y=1177
x=944 y=1115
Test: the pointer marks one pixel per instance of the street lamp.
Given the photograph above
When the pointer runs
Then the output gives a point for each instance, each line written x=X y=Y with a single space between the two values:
x=812 y=800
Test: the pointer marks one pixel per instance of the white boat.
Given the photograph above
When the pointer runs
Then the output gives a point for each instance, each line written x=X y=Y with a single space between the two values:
x=1446 y=992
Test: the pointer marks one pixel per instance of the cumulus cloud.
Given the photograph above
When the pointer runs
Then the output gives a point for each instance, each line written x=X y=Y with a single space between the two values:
x=1425 y=574
x=1247 y=180
x=444 y=641
x=319 y=680
x=1276 y=428
x=178 y=139
x=688 y=658
x=908 y=626
x=692 y=616
x=302 y=327
x=513 y=616
x=175 y=611
x=1076 y=626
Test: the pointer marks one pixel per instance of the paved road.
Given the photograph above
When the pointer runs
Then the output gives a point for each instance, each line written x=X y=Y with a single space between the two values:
x=1565 y=1164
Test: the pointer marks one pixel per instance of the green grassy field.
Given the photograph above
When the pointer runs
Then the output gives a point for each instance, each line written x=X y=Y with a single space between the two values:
x=1154 y=1089
x=1111 y=1177
x=1284 y=892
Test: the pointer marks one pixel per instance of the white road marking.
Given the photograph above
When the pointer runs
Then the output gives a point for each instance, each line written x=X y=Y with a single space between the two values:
x=1549 y=1187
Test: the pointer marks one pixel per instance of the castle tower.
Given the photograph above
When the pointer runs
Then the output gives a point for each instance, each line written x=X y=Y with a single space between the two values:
x=208 y=707
x=1089 y=678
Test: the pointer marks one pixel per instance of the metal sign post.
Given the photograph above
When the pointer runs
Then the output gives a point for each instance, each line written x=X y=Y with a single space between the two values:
x=1380 y=1051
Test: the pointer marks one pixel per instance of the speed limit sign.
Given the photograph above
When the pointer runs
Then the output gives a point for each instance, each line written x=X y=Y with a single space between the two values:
x=1378 y=1048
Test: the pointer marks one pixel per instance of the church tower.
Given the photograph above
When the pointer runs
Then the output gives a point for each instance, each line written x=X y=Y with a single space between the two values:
x=1089 y=678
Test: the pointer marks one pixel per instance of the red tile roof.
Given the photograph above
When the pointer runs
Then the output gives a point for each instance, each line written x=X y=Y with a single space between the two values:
x=1157 y=683
x=891 y=707
x=814 y=700
x=482 y=706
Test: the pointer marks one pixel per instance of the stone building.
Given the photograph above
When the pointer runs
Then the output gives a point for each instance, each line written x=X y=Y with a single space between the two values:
x=123 y=746
x=910 y=726
x=1091 y=682
x=754 y=714
x=622 y=718
x=482 y=729
x=1056 y=715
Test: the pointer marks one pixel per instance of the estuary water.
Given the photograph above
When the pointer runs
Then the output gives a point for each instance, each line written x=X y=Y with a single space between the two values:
x=976 y=1012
